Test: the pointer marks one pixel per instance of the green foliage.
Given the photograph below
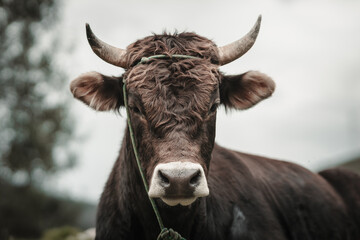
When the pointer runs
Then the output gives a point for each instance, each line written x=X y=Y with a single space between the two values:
x=62 y=233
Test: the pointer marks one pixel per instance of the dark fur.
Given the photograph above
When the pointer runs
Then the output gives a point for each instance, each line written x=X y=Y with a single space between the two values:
x=173 y=110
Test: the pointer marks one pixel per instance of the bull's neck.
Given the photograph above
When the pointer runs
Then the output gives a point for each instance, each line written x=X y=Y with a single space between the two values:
x=130 y=174
x=181 y=219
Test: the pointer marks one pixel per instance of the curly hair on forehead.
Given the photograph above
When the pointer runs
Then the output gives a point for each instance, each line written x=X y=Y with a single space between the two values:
x=174 y=92
x=186 y=43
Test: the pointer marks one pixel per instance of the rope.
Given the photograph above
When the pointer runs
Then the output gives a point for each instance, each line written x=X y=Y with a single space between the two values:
x=133 y=143
x=169 y=234
x=165 y=234
x=147 y=59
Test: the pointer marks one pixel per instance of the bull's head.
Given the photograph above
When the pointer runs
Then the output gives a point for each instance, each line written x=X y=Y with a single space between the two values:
x=173 y=103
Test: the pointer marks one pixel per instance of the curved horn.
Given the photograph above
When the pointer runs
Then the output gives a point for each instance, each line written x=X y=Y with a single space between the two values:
x=106 y=52
x=234 y=50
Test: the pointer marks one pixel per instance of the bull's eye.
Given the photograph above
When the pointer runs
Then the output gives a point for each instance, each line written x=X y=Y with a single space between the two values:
x=135 y=110
x=213 y=107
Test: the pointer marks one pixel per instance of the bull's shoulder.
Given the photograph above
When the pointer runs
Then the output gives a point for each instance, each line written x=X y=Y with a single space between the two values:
x=303 y=202
x=274 y=178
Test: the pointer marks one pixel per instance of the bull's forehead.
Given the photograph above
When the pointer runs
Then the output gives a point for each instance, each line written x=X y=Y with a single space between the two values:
x=174 y=90
x=170 y=84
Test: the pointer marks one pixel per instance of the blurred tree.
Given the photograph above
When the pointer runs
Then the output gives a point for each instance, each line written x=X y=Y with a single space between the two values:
x=34 y=123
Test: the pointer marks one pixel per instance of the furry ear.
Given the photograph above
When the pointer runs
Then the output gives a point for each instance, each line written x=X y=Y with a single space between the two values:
x=245 y=90
x=100 y=92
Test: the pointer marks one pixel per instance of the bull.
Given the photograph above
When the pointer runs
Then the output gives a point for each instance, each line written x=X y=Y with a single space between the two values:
x=202 y=190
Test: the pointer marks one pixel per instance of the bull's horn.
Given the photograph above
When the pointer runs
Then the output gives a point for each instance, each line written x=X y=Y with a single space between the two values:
x=106 y=52
x=234 y=50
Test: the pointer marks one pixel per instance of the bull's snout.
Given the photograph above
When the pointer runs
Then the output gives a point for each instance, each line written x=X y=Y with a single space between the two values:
x=178 y=183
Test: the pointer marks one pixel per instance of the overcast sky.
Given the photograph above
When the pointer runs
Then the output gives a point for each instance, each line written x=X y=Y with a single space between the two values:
x=310 y=48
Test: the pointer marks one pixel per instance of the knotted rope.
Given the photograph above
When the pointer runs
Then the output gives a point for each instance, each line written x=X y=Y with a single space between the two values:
x=165 y=234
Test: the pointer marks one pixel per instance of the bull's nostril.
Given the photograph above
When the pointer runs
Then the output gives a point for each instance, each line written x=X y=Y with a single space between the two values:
x=195 y=178
x=164 y=180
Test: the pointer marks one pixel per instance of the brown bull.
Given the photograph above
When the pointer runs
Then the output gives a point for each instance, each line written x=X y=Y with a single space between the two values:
x=202 y=190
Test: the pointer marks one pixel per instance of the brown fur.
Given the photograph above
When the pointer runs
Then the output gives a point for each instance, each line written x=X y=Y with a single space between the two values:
x=184 y=43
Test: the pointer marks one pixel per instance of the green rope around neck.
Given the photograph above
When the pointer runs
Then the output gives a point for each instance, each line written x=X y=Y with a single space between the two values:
x=165 y=234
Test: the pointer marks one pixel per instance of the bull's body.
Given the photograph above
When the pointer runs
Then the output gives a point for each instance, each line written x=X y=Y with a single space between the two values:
x=251 y=197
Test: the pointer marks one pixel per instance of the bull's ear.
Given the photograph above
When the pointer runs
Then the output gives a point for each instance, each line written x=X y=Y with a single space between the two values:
x=245 y=90
x=100 y=92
